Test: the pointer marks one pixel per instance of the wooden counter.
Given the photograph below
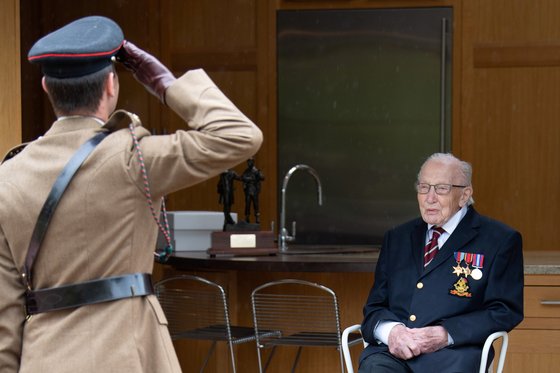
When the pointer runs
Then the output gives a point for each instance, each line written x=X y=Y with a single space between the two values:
x=354 y=261
x=350 y=275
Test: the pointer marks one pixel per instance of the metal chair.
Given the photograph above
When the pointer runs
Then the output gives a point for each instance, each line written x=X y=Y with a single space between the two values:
x=197 y=308
x=483 y=360
x=301 y=314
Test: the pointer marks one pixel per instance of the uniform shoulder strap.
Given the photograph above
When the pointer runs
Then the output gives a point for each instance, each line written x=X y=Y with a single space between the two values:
x=53 y=198
x=121 y=119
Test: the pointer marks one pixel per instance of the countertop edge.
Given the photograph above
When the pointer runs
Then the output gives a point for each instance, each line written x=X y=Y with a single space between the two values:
x=537 y=262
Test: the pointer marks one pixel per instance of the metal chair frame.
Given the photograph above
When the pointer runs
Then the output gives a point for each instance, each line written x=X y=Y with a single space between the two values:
x=483 y=360
x=199 y=310
x=298 y=313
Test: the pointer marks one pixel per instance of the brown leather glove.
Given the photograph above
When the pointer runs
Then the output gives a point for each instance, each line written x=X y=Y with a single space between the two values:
x=147 y=69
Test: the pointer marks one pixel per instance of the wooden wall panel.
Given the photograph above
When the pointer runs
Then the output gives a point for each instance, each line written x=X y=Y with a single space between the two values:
x=10 y=95
x=209 y=25
x=509 y=129
x=222 y=38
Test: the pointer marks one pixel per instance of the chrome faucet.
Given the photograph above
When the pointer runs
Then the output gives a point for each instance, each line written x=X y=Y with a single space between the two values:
x=284 y=236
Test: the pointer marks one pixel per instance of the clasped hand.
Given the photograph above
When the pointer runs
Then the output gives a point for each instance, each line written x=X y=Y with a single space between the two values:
x=406 y=343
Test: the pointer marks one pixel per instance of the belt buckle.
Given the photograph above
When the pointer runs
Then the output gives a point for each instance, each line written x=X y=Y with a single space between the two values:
x=30 y=306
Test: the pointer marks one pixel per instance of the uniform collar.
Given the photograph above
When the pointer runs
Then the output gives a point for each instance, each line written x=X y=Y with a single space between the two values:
x=74 y=123
x=73 y=117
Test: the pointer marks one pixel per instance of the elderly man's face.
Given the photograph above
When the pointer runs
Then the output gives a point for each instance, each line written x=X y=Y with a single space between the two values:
x=435 y=208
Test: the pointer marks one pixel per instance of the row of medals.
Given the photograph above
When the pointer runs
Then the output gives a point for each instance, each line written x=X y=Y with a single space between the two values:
x=475 y=273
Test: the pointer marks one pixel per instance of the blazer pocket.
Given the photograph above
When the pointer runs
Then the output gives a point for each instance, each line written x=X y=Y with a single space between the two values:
x=152 y=299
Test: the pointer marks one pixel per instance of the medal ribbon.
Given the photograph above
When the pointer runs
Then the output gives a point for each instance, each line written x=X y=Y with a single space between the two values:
x=478 y=260
x=459 y=256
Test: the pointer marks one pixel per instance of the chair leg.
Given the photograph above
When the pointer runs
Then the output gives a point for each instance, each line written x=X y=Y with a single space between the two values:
x=232 y=355
x=269 y=358
x=259 y=359
x=296 y=360
x=342 y=369
x=212 y=347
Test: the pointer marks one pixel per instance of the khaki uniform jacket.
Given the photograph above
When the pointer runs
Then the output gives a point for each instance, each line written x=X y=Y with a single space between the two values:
x=103 y=227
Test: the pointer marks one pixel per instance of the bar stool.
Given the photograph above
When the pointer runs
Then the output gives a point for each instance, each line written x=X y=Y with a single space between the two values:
x=296 y=313
x=197 y=308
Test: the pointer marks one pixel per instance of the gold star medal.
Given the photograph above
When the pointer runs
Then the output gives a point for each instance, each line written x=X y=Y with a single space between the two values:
x=468 y=260
x=458 y=270
x=459 y=256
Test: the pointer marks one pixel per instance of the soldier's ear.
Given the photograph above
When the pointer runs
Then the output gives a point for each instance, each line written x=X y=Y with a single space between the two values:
x=44 y=85
x=111 y=84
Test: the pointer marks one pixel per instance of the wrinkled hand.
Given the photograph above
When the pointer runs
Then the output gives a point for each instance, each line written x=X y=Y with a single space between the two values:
x=405 y=343
x=147 y=69
x=430 y=338
x=402 y=344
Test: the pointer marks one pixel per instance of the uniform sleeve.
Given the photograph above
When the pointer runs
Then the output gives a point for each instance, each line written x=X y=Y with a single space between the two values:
x=217 y=137
x=12 y=315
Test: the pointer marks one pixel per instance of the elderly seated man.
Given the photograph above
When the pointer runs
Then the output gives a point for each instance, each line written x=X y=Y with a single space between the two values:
x=443 y=282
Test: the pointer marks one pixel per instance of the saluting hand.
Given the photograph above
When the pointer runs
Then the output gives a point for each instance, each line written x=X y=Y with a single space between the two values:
x=147 y=69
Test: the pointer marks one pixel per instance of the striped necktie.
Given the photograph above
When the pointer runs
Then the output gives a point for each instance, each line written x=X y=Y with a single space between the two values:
x=431 y=248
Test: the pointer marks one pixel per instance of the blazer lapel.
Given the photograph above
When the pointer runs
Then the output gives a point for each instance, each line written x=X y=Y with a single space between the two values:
x=417 y=239
x=465 y=232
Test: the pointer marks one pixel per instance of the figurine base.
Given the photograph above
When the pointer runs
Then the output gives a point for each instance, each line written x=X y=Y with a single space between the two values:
x=242 y=226
x=246 y=243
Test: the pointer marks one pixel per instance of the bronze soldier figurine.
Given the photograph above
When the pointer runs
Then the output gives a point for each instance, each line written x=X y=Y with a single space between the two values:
x=251 y=179
x=225 y=190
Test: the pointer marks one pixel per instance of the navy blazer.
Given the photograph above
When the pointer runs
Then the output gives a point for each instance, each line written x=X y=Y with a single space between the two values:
x=405 y=292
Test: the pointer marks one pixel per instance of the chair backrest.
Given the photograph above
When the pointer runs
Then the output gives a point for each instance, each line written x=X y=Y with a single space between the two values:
x=300 y=312
x=486 y=349
x=195 y=307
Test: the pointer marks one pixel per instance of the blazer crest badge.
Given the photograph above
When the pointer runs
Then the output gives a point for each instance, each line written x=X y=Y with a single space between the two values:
x=468 y=264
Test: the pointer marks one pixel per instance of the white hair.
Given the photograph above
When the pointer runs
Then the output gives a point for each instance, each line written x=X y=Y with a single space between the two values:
x=465 y=168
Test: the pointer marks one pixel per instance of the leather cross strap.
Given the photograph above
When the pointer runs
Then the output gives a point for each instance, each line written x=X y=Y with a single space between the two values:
x=50 y=204
x=88 y=292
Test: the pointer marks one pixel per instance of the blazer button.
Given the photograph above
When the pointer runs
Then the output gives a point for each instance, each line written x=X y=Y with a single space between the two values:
x=412 y=318
x=419 y=285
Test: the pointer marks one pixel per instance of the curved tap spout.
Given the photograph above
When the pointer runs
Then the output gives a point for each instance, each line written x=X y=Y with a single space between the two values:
x=284 y=236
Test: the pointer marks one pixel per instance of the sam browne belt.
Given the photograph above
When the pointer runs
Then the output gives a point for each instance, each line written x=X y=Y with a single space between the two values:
x=84 y=293
x=89 y=292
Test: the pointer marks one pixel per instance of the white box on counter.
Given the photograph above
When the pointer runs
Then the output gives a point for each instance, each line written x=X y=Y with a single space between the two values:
x=192 y=230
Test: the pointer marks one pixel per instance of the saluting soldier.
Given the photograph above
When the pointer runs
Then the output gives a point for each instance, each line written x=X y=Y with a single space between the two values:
x=85 y=286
